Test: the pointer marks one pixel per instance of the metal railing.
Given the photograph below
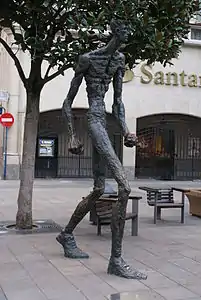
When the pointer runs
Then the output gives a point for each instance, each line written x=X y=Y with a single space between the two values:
x=65 y=167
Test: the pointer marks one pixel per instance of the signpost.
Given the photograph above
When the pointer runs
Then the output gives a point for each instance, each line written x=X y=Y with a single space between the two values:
x=4 y=96
x=7 y=121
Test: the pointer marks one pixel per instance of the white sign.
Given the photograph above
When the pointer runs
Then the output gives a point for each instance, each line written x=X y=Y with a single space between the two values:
x=46 y=147
x=4 y=96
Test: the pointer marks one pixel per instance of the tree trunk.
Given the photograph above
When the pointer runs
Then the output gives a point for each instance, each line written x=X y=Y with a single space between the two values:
x=24 y=213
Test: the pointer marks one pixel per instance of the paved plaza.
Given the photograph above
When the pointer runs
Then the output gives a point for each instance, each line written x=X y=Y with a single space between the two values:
x=32 y=267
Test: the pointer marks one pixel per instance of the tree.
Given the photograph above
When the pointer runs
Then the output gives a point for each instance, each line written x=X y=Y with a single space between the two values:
x=56 y=31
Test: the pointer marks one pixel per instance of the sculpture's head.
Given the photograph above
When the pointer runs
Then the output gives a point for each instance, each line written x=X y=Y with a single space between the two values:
x=119 y=29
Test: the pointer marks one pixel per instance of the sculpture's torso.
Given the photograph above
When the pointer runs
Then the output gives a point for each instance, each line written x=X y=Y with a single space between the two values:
x=102 y=68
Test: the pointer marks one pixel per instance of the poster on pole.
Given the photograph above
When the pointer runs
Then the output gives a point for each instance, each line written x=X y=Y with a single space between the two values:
x=4 y=96
x=46 y=147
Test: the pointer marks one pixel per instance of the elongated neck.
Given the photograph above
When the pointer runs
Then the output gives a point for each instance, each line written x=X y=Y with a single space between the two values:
x=112 y=46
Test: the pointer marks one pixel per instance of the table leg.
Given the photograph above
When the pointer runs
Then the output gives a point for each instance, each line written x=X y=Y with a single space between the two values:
x=183 y=207
x=134 y=229
x=158 y=213
x=155 y=207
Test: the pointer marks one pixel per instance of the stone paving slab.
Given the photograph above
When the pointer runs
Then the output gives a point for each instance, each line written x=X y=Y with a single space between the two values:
x=33 y=266
x=2 y=295
x=142 y=295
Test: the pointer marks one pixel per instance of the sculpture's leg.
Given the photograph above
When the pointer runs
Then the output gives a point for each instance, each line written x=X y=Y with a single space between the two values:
x=66 y=238
x=117 y=265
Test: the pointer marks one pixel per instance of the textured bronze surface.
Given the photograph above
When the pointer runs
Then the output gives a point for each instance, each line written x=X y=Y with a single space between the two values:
x=99 y=68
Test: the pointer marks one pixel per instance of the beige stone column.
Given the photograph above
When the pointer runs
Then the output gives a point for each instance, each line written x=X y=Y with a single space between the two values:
x=4 y=82
x=129 y=153
x=12 y=107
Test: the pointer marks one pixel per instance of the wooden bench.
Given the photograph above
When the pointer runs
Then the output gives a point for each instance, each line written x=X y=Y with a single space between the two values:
x=194 y=197
x=161 y=198
x=103 y=210
x=107 y=192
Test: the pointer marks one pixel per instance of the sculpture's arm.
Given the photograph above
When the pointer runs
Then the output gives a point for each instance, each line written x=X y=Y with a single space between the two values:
x=80 y=70
x=118 y=109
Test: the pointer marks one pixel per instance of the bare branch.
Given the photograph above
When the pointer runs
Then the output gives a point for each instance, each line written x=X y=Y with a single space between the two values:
x=47 y=72
x=59 y=72
x=23 y=45
x=16 y=61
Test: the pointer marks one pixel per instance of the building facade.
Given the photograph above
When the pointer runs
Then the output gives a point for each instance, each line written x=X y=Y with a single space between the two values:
x=162 y=105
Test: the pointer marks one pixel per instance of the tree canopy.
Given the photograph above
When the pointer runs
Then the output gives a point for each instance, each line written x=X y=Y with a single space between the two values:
x=46 y=28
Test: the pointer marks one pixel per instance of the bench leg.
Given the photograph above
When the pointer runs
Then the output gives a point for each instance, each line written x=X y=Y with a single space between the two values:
x=183 y=208
x=182 y=215
x=158 y=213
x=155 y=214
x=98 y=226
x=134 y=222
x=134 y=226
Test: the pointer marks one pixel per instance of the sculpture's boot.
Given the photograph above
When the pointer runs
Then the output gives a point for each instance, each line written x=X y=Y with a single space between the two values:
x=117 y=266
x=71 y=250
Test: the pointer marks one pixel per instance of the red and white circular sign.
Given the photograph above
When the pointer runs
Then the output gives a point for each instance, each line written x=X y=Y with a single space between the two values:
x=7 y=119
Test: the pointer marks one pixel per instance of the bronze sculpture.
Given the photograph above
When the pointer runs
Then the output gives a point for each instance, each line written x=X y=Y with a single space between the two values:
x=98 y=68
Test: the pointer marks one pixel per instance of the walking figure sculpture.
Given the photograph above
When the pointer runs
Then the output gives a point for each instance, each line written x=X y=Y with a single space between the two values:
x=98 y=68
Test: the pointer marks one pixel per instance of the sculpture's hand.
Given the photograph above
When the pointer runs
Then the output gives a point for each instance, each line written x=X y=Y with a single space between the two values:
x=75 y=147
x=130 y=140
x=141 y=143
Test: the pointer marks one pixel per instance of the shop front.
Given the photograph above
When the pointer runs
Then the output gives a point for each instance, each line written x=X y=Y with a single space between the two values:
x=174 y=147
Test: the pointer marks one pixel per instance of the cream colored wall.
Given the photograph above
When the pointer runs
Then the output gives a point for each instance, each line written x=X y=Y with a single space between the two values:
x=140 y=99
x=151 y=98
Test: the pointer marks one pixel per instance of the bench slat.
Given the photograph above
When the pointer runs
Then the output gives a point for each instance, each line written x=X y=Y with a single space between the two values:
x=103 y=205
x=105 y=216
x=168 y=205
x=103 y=211
x=149 y=189
x=106 y=212
x=107 y=199
x=160 y=198
x=129 y=216
x=130 y=197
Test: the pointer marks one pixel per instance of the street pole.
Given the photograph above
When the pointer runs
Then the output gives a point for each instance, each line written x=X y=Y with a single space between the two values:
x=193 y=153
x=4 y=146
x=5 y=153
